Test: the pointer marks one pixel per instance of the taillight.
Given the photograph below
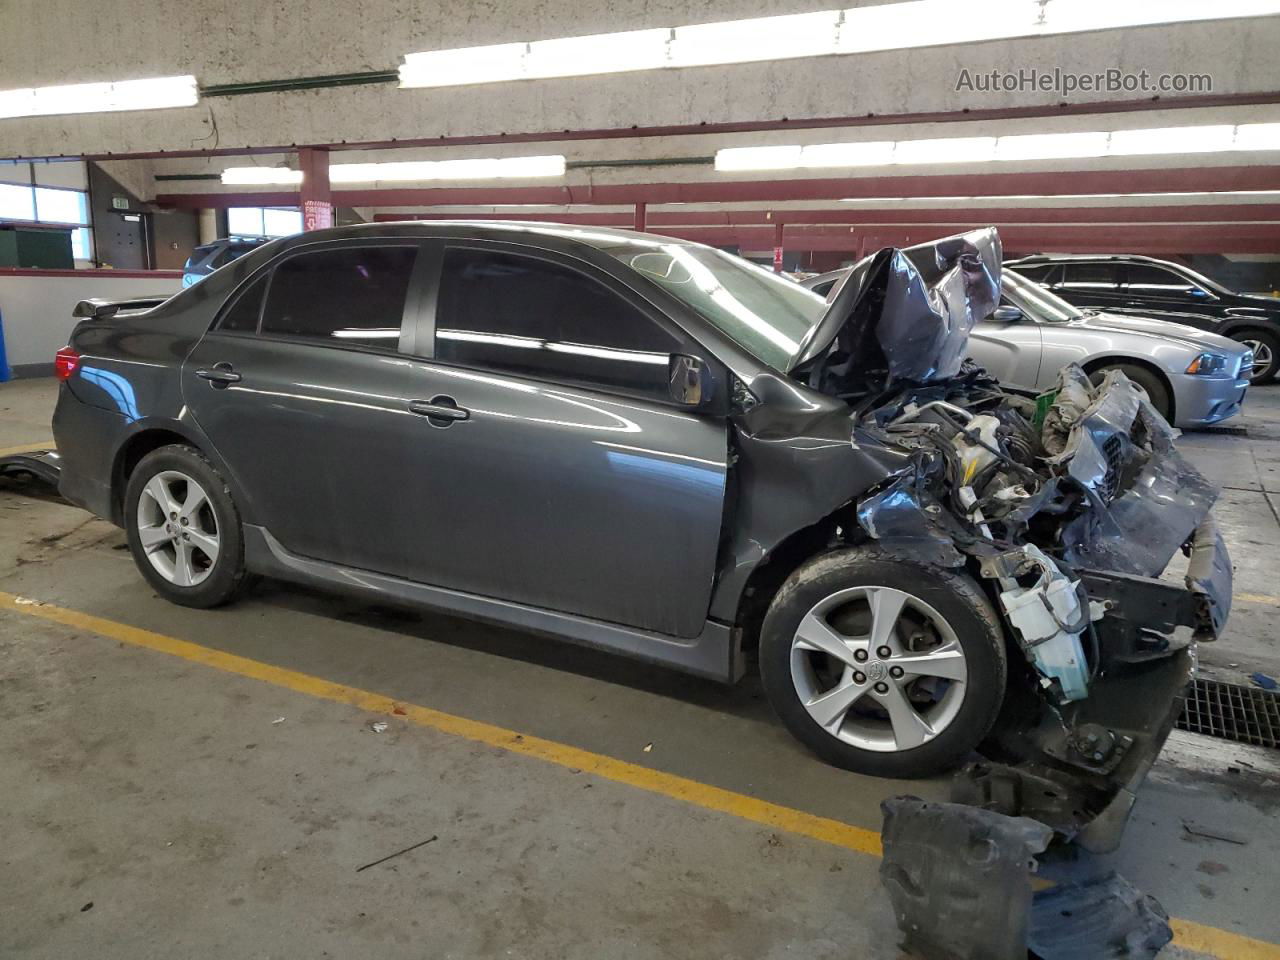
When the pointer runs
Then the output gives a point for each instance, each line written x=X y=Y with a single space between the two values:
x=65 y=362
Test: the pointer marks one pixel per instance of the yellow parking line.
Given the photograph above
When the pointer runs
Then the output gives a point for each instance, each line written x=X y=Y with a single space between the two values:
x=1257 y=598
x=1192 y=936
x=26 y=448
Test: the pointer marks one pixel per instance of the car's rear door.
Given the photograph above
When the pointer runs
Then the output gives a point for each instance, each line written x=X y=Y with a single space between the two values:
x=569 y=481
x=304 y=386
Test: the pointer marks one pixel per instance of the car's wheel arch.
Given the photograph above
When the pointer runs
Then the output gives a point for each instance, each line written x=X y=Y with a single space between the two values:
x=1094 y=364
x=144 y=438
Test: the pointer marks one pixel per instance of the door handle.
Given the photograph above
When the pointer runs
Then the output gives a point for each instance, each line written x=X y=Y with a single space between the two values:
x=440 y=411
x=220 y=376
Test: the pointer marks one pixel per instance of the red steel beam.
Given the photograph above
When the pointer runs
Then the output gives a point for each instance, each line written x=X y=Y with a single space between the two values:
x=1079 y=238
x=1046 y=183
x=1184 y=213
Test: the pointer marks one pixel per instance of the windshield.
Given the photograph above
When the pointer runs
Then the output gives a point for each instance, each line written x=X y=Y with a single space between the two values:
x=764 y=313
x=1035 y=301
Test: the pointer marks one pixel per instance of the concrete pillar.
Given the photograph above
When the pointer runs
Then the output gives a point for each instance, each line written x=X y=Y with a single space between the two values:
x=641 y=208
x=207 y=225
x=317 y=205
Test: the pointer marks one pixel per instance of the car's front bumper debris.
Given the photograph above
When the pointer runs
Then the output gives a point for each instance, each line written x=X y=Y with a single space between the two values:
x=959 y=879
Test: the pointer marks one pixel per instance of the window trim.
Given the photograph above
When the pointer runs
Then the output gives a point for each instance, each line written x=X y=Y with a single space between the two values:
x=1118 y=283
x=1170 y=271
x=410 y=314
x=591 y=273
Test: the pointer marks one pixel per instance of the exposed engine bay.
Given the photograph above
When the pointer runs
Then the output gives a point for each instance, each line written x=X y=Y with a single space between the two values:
x=1068 y=505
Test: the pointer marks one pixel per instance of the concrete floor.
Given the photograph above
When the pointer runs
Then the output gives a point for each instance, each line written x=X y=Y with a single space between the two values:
x=172 y=797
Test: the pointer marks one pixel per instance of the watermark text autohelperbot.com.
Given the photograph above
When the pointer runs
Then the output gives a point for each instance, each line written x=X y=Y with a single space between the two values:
x=1065 y=83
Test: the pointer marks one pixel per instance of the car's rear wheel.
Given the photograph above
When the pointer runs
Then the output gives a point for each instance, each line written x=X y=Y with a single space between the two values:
x=1266 y=354
x=883 y=666
x=1147 y=381
x=184 y=529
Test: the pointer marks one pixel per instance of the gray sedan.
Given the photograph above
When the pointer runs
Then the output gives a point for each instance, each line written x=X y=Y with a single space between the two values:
x=1193 y=377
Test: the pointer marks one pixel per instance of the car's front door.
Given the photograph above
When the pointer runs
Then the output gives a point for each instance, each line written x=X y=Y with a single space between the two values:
x=1009 y=351
x=1149 y=289
x=304 y=387
x=569 y=481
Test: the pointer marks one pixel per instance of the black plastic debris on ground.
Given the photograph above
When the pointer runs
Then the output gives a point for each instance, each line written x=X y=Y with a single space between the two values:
x=1099 y=920
x=43 y=465
x=959 y=878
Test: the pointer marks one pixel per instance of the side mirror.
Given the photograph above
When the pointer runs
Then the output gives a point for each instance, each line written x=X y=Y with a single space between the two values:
x=1007 y=314
x=688 y=380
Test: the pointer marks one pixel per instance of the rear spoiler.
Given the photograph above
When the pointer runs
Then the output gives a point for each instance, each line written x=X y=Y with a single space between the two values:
x=101 y=309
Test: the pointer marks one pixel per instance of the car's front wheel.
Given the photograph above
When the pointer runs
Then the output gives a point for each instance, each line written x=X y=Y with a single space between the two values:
x=184 y=529
x=883 y=666
x=1151 y=385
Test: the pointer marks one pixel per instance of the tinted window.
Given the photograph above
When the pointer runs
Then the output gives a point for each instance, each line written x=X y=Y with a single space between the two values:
x=761 y=311
x=1156 y=281
x=528 y=316
x=243 y=315
x=353 y=295
x=1099 y=277
x=824 y=288
x=1036 y=273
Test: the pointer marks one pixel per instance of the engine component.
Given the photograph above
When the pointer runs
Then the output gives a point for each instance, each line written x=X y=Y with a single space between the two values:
x=977 y=446
x=1050 y=618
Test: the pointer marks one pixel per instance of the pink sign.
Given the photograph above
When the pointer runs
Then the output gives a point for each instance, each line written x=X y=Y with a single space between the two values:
x=316 y=215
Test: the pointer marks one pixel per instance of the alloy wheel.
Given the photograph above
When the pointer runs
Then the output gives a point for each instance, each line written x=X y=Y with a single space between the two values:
x=1262 y=357
x=878 y=668
x=178 y=528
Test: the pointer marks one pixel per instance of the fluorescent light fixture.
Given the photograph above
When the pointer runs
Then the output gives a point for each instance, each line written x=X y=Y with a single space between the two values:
x=1160 y=140
x=149 y=94
x=499 y=168
x=884 y=26
x=871 y=153
x=1051 y=146
x=1215 y=138
x=947 y=150
x=260 y=176
x=1258 y=136
x=762 y=38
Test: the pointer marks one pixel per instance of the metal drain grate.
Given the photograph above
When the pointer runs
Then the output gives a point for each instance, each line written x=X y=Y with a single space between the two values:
x=1231 y=431
x=1229 y=711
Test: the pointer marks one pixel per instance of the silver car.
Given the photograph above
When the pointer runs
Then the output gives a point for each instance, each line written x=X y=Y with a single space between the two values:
x=1192 y=377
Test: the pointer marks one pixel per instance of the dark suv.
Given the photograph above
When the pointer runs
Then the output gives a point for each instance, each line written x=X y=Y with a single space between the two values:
x=661 y=449
x=1146 y=287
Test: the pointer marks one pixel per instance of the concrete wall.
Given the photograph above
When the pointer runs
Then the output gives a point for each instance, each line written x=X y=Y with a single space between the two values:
x=35 y=310
x=221 y=41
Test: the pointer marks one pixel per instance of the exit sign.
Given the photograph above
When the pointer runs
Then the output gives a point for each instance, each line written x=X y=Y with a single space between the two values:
x=119 y=203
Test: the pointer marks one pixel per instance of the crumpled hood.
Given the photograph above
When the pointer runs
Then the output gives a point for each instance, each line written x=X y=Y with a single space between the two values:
x=1201 y=339
x=903 y=315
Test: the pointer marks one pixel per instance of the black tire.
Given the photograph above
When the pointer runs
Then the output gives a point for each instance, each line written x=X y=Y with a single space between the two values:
x=1267 y=371
x=224 y=578
x=952 y=594
x=1152 y=383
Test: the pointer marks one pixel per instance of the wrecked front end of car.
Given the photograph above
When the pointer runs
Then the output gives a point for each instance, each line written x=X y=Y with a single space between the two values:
x=1067 y=505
